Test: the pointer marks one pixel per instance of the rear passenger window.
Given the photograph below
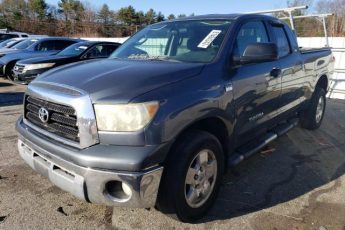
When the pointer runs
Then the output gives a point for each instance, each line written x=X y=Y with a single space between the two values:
x=251 y=32
x=96 y=52
x=110 y=49
x=281 y=40
x=45 y=46
x=100 y=51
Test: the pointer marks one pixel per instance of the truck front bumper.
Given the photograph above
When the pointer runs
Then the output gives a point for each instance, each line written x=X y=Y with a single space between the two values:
x=108 y=187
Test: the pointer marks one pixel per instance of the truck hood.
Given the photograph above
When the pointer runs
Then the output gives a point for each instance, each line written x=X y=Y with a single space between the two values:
x=119 y=81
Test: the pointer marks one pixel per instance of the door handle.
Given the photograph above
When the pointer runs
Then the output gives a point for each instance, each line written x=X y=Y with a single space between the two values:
x=275 y=72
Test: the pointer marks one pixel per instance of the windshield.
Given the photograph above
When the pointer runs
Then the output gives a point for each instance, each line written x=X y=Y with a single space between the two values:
x=12 y=43
x=74 y=50
x=4 y=37
x=25 y=44
x=7 y=42
x=184 y=41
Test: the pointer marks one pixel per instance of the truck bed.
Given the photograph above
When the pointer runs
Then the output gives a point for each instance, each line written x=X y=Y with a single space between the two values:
x=305 y=50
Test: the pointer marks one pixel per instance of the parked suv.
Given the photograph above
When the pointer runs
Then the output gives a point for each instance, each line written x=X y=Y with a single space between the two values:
x=34 y=48
x=28 y=69
x=8 y=35
x=158 y=122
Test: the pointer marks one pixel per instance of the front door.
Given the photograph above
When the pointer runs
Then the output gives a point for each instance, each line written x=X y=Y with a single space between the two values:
x=256 y=92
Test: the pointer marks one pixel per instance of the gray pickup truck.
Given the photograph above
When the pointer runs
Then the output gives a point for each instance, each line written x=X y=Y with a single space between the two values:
x=157 y=123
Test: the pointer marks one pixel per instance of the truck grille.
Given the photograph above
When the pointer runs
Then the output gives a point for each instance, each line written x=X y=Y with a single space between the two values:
x=19 y=68
x=61 y=119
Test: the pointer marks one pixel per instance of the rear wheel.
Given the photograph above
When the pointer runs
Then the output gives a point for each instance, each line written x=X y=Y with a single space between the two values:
x=311 y=118
x=191 y=177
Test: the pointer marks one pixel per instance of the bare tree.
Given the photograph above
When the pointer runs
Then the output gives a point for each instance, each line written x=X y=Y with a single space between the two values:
x=336 y=25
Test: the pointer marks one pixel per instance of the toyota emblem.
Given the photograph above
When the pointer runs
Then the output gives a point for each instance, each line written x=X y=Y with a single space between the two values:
x=43 y=114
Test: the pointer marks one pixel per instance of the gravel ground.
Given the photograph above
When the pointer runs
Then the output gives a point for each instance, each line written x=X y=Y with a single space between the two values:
x=300 y=184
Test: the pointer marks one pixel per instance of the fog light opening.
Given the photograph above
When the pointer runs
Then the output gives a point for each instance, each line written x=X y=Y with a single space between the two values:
x=118 y=191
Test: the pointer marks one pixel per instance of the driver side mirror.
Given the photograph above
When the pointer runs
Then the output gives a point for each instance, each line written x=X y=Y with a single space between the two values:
x=257 y=53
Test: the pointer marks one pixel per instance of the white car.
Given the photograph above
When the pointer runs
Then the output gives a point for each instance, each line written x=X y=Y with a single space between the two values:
x=5 y=35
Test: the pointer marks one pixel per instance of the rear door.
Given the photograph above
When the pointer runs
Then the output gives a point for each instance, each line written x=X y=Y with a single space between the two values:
x=256 y=92
x=292 y=69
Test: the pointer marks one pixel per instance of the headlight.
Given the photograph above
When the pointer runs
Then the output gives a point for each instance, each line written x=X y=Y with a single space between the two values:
x=125 y=118
x=38 y=66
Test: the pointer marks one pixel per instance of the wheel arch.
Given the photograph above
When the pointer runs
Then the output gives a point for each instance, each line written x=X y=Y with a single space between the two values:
x=10 y=63
x=7 y=66
x=213 y=125
x=323 y=82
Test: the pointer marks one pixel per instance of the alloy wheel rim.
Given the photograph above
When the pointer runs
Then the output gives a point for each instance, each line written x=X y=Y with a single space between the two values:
x=200 y=178
x=320 y=109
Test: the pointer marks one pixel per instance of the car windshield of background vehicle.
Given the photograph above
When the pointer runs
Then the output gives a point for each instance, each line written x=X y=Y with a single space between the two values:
x=7 y=42
x=73 y=50
x=4 y=37
x=182 y=41
x=24 y=44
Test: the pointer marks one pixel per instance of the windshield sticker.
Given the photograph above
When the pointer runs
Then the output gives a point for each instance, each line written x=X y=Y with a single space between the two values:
x=83 y=47
x=209 y=39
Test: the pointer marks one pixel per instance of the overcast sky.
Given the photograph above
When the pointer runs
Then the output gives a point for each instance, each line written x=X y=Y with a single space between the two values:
x=191 y=6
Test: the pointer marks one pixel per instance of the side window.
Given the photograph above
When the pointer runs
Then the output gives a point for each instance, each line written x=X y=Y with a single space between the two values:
x=4 y=37
x=97 y=52
x=61 y=44
x=109 y=49
x=250 y=32
x=45 y=46
x=281 y=40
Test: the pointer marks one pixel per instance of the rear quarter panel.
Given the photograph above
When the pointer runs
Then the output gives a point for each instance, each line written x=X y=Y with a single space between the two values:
x=316 y=65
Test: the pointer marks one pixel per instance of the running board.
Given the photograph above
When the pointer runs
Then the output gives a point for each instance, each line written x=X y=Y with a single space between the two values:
x=251 y=148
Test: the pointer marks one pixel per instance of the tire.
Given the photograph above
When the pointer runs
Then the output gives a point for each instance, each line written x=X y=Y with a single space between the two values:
x=177 y=197
x=8 y=70
x=311 y=118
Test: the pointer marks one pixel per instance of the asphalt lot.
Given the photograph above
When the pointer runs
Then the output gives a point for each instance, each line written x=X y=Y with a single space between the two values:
x=297 y=183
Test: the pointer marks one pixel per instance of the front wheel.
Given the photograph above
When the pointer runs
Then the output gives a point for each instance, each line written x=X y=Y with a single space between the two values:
x=9 y=71
x=311 y=118
x=192 y=177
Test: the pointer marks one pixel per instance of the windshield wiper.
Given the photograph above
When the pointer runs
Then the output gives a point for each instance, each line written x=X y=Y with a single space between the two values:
x=161 y=59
